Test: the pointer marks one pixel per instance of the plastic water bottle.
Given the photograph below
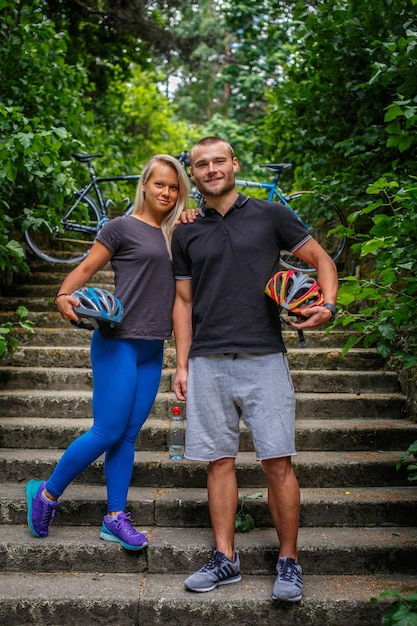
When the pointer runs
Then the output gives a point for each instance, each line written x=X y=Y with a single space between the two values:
x=176 y=435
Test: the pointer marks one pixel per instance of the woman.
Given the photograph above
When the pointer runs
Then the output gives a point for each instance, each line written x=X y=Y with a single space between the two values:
x=126 y=360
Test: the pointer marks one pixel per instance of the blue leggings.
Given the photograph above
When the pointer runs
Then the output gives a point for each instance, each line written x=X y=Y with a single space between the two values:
x=126 y=376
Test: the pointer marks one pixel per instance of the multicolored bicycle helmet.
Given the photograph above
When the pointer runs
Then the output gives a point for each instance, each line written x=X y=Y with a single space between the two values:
x=294 y=291
x=97 y=306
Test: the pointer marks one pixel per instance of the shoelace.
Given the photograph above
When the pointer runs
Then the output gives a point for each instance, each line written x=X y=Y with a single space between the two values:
x=287 y=570
x=213 y=563
x=123 y=520
x=48 y=515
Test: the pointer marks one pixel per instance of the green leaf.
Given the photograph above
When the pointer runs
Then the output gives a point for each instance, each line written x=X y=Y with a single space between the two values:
x=247 y=523
x=399 y=614
x=393 y=111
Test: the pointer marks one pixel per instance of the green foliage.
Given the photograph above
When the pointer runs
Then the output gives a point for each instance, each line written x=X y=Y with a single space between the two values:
x=244 y=521
x=52 y=103
x=402 y=612
x=8 y=343
x=11 y=252
x=382 y=307
x=148 y=114
x=349 y=64
x=412 y=467
x=40 y=108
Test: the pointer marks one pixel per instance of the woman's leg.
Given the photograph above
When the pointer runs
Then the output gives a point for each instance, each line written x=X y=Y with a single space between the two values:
x=114 y=378
x=120 y=457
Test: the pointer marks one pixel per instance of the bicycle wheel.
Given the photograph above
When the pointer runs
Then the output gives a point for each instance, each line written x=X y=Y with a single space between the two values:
x=320 y=215
x=71 y=240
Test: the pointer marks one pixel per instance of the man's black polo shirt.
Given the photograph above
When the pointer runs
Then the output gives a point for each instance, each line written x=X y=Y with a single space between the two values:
x=230 y=259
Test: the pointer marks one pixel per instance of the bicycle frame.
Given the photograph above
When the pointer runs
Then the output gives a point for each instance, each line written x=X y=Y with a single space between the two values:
x=102 y=206
x=275 y=194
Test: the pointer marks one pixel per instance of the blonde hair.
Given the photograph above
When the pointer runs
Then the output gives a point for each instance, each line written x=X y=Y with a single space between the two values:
x=170 y=218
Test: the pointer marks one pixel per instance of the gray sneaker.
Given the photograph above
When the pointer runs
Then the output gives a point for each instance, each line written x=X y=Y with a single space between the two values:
x=218 y=571
x=288 y=584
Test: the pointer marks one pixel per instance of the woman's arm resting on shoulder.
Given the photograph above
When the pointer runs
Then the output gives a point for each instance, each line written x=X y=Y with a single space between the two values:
x=188 y=217
x=182 y=323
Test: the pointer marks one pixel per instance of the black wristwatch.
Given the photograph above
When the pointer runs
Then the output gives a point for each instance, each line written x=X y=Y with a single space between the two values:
x=332 y=308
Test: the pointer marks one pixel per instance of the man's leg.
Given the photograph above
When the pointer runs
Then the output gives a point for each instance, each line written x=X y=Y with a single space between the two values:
x=223 y=500
x=284 y=503
x=224 y=566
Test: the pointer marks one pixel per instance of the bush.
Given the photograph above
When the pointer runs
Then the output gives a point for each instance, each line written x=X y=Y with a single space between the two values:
x=382 y=306
x=8 y=343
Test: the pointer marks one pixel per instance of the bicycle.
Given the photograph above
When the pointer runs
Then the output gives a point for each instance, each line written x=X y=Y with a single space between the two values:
x=70 y=240
x=322 y=217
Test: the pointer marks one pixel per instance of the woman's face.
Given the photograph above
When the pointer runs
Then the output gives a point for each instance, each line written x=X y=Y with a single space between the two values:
x=161 y=191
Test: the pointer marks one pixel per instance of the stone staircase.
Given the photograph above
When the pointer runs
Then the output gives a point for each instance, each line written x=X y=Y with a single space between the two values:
x=358 y=532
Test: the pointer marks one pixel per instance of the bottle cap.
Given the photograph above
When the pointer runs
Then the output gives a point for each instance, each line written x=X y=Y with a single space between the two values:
x=176 y=410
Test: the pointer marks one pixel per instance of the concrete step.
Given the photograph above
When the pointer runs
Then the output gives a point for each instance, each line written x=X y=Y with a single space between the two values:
x=336 y=381
x=49 y=290
x=57 y=333
x=182 y=550
x=68 y=403
x=315 y=434
x=186 y=507
x=320 y=381
x=47 y=277
x=155 y=469
x=80 y=379
x=152 y=600
x=358 y=359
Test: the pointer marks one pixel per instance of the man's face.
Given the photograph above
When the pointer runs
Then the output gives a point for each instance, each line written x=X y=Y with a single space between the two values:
x=213 y=169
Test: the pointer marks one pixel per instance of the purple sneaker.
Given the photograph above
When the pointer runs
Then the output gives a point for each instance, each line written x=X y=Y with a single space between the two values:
x=41 y=511
x=119 y=528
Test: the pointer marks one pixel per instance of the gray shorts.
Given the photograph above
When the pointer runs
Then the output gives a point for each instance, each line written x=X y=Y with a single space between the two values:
x=221 y=388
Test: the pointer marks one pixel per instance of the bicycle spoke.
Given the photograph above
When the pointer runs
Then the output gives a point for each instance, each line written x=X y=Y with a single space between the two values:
x=71 y=241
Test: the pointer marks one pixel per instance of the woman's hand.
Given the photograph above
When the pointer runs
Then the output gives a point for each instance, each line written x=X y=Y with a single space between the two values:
x=65 y=304
x=188 y=217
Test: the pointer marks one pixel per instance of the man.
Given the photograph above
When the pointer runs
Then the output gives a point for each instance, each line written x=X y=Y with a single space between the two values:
x=231 y=358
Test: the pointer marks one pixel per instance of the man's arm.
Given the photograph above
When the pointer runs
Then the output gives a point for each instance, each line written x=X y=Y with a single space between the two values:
x=183 y=334
x=314 y=255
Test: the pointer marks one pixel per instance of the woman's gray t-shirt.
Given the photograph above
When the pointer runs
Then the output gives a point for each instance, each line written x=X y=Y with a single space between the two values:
x=143 y=277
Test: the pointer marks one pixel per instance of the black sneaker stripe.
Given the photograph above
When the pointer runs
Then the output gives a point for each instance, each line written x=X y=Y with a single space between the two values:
x=226 y=570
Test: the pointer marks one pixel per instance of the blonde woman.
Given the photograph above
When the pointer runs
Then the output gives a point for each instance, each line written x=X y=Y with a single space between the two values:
x=126 y=360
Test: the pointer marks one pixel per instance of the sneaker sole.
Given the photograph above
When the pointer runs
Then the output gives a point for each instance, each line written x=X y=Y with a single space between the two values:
x=226 y=581
x=29 y=497
x=296 y=599
x=109 y=537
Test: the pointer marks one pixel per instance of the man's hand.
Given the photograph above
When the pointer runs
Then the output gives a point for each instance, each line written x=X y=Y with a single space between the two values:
x=180 y=384
x=312 y=317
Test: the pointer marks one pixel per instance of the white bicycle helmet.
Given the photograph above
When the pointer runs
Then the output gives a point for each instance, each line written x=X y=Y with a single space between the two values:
x=97 y=306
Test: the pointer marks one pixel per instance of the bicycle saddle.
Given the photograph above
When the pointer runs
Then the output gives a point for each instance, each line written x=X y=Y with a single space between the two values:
x=277 y=167
x=84 y=158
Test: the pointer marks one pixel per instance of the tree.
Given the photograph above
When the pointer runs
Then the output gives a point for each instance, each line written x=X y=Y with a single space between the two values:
x=327 y=114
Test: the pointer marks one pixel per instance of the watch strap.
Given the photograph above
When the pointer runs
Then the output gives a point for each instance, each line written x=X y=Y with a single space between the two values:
x=332 y=308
